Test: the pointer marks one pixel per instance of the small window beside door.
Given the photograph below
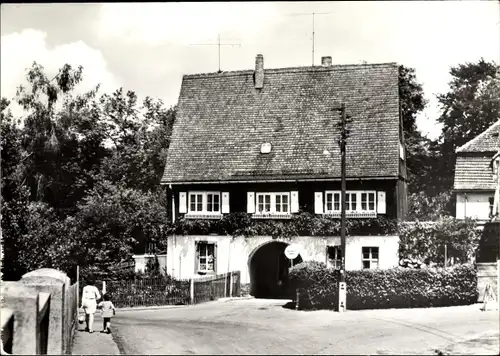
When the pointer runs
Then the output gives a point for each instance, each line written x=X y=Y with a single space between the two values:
x=334 y=257
x=370 y=257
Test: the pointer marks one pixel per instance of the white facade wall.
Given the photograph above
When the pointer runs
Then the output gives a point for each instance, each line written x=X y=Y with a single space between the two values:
x=234 y=254
x=476 y=205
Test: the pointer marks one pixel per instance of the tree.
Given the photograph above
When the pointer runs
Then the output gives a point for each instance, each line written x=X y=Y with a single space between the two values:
x=471 y=105
x=112 y=220
x=56 y=141
x=424 y=207
x=139 y=138
x=14 y=211
x=419 y=155
x=81 y=176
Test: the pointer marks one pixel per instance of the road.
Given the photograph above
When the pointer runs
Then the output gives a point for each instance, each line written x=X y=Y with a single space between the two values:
x=259 y=326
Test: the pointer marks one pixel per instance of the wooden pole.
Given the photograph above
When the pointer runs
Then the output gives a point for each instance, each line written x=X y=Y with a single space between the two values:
x=78 y=286
x=342 y=194
x=445 y=255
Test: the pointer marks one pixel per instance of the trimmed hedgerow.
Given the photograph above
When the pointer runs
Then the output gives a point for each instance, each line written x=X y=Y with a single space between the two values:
x=379 y=289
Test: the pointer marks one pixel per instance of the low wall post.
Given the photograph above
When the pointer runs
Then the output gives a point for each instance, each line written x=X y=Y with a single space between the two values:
x=191 y=291
x=7 y=331
x=24 y=302
x=56 y=283
x=230 y=284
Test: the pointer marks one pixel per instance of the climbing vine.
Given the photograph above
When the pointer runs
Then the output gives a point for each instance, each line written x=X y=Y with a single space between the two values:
x=302 y=224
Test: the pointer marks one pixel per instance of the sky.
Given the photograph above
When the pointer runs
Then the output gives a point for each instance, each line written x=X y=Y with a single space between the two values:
x=148 y=47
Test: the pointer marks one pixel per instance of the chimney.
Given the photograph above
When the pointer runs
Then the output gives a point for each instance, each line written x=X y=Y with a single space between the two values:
x=326 y=61
x=259 y=72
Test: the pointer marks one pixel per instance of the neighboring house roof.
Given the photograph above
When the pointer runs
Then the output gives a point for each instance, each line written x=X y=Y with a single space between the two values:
x=473 y=173
x=473 y=169
x=223 y=119
x=487 y=141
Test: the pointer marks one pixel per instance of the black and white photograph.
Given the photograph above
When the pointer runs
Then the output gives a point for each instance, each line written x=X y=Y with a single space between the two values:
x=250 y=178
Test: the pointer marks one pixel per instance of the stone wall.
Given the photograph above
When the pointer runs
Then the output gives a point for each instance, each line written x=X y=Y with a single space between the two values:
x=38 y=315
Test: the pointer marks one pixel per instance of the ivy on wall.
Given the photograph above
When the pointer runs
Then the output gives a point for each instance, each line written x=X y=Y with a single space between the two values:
x=301 y=224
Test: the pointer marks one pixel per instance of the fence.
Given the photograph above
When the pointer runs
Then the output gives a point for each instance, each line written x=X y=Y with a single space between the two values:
x=148 y=292
x=38 y=313
x=223 y=285
x=168 y=291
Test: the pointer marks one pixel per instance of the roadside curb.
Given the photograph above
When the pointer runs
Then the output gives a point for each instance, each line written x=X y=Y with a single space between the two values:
x=152 y=307
x=235 y=298
x=182 y=306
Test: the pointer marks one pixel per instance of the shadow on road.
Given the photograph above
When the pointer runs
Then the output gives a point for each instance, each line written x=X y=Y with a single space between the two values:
x=289 y=305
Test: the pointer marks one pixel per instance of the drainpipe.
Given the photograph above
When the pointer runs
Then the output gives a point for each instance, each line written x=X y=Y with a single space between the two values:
x=173 y=203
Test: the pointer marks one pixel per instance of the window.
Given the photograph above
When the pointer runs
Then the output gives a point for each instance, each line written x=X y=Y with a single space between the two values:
x=350 y=201
x=273 y=203
x=204 y=203
x=370 y=257
x=368 y=201
x=332 y=202
x=205 y=252
x=355 y=202
x=334 y=257
x=491 y=201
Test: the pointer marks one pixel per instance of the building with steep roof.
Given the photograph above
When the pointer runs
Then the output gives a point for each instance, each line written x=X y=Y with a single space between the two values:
x=265 y=142
x=476 y=175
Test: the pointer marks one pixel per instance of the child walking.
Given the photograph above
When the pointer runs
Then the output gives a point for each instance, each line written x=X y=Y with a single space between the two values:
x=107 y=312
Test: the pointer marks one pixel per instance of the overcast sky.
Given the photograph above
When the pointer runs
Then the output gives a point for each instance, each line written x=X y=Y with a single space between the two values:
x=147 y=47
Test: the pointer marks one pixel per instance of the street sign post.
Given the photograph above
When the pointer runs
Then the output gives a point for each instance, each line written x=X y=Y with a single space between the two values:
x=291 y=252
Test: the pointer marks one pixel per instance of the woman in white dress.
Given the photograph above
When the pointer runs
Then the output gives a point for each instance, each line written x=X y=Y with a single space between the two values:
x=90 y=296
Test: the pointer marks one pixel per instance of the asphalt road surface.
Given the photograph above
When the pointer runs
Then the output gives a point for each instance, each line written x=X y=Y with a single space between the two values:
x=259 y=326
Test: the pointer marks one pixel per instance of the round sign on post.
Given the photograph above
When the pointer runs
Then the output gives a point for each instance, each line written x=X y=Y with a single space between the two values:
x=291 y=252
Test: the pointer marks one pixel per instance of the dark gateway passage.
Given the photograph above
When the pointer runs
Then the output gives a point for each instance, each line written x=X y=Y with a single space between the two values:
x=269 y=271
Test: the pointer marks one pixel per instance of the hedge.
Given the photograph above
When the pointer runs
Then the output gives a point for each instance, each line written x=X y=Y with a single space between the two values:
x=380 y=289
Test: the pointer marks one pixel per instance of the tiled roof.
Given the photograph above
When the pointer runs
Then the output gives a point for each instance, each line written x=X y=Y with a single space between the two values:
x=487 y=141
x=222 y=120
x=474 y=173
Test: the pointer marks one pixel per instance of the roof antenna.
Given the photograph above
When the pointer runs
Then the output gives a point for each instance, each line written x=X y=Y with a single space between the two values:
x=218 y=44
x=313 y=14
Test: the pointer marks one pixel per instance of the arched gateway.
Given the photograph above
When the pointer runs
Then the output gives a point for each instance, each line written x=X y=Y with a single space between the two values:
x=268 y=267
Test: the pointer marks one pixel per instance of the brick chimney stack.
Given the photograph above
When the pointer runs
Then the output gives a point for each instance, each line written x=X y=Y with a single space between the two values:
x=326 y=61
x=259 y=72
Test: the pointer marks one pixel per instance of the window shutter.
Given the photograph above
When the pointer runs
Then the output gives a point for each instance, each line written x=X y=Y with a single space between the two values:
x=182 y=202
x=225 y=202
x=215 y=258
x=380 y=202
x=250 y=202
x=318 y=203
x=196 y=256
x=294 y=203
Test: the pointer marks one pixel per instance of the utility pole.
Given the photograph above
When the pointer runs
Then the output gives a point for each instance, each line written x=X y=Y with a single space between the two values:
x=344 y=134
x=218 y=44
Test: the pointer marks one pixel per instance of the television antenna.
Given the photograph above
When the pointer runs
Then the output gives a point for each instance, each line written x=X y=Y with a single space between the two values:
x=218 y=44
x=313 y=15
